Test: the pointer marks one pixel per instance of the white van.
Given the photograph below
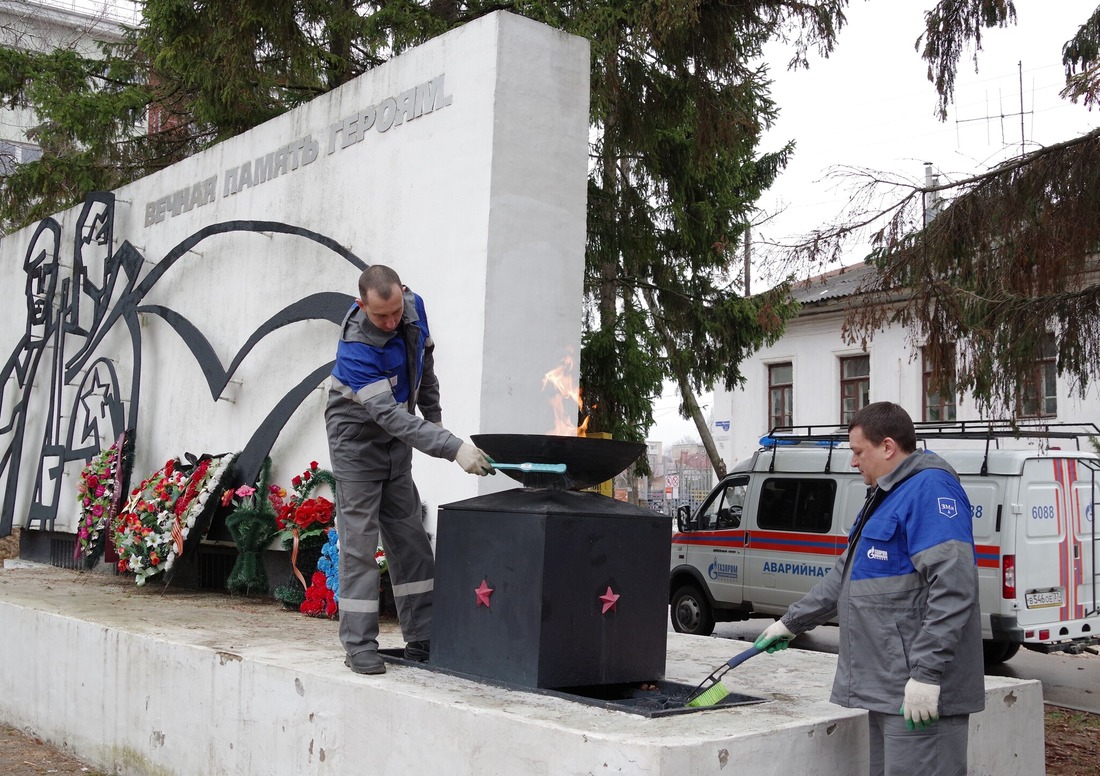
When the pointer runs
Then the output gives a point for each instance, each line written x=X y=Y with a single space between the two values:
x=777 y=523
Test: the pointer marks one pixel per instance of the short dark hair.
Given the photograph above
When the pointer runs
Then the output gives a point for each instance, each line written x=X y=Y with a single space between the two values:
x=380 y=279
x=882 y=419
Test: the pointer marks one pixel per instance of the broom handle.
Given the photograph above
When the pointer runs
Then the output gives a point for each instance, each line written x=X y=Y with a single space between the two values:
x=741 y=657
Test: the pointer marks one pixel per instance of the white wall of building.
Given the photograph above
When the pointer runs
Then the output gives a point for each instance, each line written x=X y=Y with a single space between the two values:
x=476 y=196
x=31 y=26
x=814 y=346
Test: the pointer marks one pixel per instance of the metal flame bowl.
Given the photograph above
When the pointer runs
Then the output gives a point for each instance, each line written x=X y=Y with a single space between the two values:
x=588 y=460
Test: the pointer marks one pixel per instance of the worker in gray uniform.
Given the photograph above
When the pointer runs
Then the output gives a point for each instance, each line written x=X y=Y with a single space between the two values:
x=905 y=593
x=384 y=371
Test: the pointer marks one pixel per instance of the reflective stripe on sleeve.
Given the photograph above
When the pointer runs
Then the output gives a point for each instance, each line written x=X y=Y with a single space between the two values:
x=366 y=392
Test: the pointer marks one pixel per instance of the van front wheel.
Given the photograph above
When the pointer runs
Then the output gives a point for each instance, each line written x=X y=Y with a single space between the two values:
x=691 y=613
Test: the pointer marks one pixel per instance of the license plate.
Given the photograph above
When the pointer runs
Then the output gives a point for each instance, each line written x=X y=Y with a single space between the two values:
x=1045 y=598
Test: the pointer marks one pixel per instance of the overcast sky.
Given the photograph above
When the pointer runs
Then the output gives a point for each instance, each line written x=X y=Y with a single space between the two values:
x=870 y=105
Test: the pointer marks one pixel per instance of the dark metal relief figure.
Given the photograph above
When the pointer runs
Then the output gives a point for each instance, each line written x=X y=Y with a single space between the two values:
x=92 y=398
x=21 y=368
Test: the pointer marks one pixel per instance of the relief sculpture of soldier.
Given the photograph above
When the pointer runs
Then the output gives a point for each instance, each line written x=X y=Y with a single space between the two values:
x=21 y=369
x=85 y=416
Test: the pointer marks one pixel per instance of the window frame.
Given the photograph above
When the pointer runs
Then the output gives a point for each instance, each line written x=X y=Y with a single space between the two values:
x=786 y=391
x=1042 y=370
x=862 y=399
x=946 y=399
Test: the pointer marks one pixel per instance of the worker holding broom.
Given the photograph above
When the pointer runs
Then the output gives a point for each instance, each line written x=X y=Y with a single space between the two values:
x=905 y=592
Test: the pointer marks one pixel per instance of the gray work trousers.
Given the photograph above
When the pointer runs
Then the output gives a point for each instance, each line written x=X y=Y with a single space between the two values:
x=392 y=508
x=937 y=750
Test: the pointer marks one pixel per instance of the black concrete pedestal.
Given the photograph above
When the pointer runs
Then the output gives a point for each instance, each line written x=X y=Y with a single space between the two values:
x=579 y=589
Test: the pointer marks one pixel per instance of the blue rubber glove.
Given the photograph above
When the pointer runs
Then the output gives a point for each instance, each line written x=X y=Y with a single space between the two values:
x=921 y=706
x=775 y=637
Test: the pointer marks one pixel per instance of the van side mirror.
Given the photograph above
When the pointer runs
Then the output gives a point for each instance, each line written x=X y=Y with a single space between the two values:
x=683 y=518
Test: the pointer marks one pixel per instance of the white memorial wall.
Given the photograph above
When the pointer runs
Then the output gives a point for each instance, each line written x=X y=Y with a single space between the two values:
x=196 y=306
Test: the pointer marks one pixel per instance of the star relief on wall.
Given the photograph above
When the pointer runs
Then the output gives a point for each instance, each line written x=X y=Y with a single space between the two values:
x=610 y=600
x=483 y=592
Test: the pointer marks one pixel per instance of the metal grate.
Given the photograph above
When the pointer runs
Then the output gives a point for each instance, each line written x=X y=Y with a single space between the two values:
x=214 y=565
x=62 y=555
x=657 y=699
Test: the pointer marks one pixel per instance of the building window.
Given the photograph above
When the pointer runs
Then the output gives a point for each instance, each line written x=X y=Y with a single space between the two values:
x=1039 y=393
x=14 y=154
x=938 y=405
x=855 y=386
x=780 y=394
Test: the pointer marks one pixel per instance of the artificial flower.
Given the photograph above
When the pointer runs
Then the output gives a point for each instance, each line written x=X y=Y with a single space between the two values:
x=150 y=530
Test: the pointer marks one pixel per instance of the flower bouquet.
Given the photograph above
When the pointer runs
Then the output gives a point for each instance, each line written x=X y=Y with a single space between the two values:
x=320 y=601
x=252 y=525
x=303 y=521
x=99 y=493
x=170 y=507
x=329 y=564
x=322 y=597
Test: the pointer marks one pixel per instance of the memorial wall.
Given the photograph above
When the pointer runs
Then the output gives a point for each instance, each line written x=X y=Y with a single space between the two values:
x=198 y=308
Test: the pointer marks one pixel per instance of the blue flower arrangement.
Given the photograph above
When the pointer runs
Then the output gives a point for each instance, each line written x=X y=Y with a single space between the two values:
x=330 y=563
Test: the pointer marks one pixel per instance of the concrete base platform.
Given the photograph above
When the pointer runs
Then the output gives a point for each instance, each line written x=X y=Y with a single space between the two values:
x=172 y=682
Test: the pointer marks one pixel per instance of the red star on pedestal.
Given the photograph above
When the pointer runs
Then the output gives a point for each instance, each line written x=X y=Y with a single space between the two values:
x=609 y=600
x=483 y=594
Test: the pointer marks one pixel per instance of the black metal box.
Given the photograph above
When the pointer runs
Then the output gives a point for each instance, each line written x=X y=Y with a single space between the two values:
x=551 y=589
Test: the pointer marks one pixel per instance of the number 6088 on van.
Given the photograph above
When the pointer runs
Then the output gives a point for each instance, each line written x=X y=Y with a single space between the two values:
x=777 y=522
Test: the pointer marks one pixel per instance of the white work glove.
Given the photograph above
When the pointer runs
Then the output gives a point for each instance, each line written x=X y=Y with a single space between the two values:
x=921 y=706
x=473 y=461
x=775 y=637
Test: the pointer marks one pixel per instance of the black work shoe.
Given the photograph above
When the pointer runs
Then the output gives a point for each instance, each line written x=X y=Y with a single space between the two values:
x=418 y=650
x=368 y=662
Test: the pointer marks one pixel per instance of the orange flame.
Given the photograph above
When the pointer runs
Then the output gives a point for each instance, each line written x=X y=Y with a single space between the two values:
x=561 y=378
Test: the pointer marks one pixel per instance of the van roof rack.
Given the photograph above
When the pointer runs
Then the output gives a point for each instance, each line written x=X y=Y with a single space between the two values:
x=955 y=429
x=988 y=431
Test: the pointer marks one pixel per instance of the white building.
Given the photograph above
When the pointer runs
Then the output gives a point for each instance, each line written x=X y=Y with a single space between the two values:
x=47 y=26
x=812 y=377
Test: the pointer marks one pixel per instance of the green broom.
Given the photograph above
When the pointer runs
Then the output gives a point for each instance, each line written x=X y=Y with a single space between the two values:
x=708 y=696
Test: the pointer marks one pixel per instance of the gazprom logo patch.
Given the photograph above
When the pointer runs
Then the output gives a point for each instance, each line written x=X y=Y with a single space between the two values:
x=718 y=570
x=876 y=554
x=947 y=507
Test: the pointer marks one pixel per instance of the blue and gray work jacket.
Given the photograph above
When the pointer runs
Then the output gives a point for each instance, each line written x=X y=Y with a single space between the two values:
x=905 y=593
x=379 y=381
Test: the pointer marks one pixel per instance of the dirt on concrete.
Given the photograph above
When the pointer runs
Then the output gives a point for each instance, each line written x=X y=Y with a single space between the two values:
x=22 y=754
x=9 y=546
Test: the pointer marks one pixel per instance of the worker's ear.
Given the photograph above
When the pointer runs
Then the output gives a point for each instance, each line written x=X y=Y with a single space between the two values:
x=362 y=306
x=889 y=448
